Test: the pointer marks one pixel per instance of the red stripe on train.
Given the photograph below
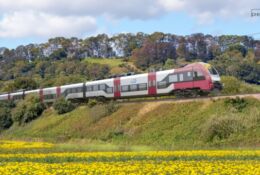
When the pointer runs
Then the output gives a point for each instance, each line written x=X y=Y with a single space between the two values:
x=152 y=90
x=58 y=91
x=41 y=95
x=117 y=86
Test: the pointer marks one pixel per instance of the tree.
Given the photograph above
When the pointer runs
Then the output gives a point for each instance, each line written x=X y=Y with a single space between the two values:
x=62 y=106
x=169 y=64
x=5 y=115
x=250 y=72
x=25 y=83
x=5 y=118
x=238 y=47
x=58 y=54
x=153 y=53
x=28 y=110
x=41 y=68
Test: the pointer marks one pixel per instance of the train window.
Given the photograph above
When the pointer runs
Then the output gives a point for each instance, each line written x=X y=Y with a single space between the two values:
x=162 y=84
x=181 y=77
x=173 y=78
x=198 y=75
x=124 y=88
x=133 y=87
x=95 y=88
x=213 y=71
x=49 y=96
x=154 y=83
x=80 y=89
x=142 y=86
x=150 y=83
x=187 y=76
x=74 y=90
x=102 y=87
x=89 y=88
x=110 y=90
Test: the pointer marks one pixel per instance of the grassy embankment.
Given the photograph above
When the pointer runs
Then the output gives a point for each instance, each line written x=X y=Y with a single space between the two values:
x=116 y=65
x=154 y=125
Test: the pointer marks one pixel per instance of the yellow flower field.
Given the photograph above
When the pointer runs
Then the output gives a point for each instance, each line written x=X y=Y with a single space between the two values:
x=33 y=160
x=133 y=167
x=7 y=144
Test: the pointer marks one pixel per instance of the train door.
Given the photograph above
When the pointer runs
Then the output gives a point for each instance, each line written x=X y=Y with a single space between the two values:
x=58 y=92
x=152 y=83
x=41 y=95
x=117 y=86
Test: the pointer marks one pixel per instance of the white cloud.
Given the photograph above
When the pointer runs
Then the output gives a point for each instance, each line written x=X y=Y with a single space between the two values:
x=171 y=5
x=24 y=24
x=133 y=9
x=45 y=18
x=205 y=11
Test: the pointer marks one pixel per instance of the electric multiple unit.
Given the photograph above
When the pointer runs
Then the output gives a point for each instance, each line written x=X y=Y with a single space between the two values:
x=200 y=77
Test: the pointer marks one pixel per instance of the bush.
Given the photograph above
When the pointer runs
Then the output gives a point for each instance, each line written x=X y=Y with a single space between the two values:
x=221 y=127
x=231 y=85
x=62 y=106
x=100 y=111
x=234 y=86
x=111 y=107
x=237 y=103
x=28 y=109
x=5 y=118
x=92 y=103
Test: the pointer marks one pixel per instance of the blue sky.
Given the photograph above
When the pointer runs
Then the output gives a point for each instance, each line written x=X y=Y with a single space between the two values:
x=25 y=21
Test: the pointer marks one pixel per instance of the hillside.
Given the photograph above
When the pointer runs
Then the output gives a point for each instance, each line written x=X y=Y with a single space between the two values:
x=159 y=125
x=63 y=61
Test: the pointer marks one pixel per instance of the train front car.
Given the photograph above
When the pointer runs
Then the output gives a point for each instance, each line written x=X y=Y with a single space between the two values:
x=205 y=77
x=215 y=78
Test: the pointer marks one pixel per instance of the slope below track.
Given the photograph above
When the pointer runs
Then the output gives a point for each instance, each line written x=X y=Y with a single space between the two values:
x=198 y=124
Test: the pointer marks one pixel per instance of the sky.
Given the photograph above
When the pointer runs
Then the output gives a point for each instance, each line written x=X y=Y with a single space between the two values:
x=35 y=21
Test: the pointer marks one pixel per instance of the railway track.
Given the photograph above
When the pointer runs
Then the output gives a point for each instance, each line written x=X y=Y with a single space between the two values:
x=183 y=100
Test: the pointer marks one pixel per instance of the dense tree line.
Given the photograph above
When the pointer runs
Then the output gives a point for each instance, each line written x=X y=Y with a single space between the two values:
x=23 y=74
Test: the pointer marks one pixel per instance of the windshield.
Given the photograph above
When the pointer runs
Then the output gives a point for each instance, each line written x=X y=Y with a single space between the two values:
x=213 y=71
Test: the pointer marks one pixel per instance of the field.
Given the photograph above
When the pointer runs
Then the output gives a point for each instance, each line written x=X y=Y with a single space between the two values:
x=17 y=157
x=117 y=66
x=110 y=62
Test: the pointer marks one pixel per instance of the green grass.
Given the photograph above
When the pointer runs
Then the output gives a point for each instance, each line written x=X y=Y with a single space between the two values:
x=108 y=61
x=153 y=125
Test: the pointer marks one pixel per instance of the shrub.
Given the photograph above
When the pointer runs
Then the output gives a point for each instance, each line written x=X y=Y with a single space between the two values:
x=231 y=85
x=92 y=103
x=102 y=110
x=5 y=118
x=111 y=107
x=221 y=127
x=236 y=103
x=234 y=86
x=62 y=106
x=28 y=109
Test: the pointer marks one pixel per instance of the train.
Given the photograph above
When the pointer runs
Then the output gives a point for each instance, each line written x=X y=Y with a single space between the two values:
x=195 y=78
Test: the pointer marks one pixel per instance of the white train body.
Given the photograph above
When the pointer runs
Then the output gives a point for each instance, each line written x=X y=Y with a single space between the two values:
x=194 y=76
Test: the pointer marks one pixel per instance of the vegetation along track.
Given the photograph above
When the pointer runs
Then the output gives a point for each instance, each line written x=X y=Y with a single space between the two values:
x=172 y=98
